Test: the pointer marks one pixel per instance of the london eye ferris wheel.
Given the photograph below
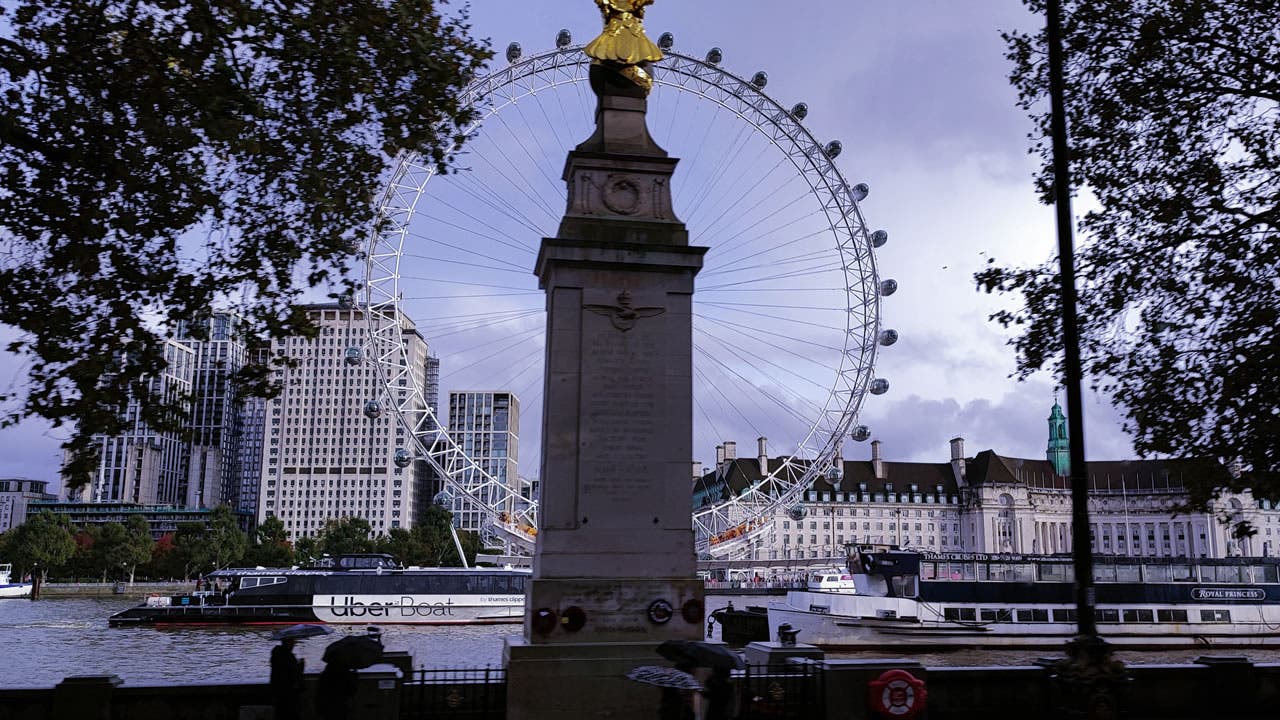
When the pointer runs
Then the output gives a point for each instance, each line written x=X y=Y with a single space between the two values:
x=786 y=310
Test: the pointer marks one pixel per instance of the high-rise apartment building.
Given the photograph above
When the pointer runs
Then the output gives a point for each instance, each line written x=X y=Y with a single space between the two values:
x=214 y=467
x=144 y=465
x=487 y=427
x=322 y=457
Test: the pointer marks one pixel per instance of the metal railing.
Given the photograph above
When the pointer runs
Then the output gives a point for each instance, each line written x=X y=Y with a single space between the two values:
x=467 y=694
x=790 y=692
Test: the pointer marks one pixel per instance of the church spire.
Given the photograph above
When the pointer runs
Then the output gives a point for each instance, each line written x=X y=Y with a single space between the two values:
x=1058 y=451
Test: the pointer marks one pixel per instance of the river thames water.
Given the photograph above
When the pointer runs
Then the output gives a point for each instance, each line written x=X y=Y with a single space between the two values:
x=43 y=642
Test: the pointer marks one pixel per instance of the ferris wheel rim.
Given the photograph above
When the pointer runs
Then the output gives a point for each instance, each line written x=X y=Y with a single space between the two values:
x=404 y=190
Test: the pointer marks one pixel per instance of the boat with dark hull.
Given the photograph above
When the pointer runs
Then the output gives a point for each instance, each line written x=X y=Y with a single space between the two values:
x=951 y=600
x=354 y=589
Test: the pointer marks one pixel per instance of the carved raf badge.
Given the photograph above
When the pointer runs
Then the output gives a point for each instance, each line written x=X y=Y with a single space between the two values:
x=624 y=315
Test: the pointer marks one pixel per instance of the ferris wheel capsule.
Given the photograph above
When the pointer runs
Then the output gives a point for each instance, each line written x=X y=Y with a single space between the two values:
x=834 y=473
x=513 y=52
x=797 y=512
x=888 y=337
x=879 y=238
x=666 y=41
x=861 y=433
x=564 y=38
x=715 y=55
x=402 y=458
x=373 y=409
x=354 y=355
x=860 y=192
x=800 y=111
x=833 y=149
x=879 y=386
x=888 y=287
x=760 y=79
x=443 y=498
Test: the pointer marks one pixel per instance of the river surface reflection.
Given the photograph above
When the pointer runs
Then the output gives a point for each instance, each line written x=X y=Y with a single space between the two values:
x=43 y=642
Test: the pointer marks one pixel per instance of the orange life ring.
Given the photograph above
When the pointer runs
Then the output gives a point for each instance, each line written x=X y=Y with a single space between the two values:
x=897 y=694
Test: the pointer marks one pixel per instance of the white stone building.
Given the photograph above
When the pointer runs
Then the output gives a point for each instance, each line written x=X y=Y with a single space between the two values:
x=990 y=503
x=487 y=426
x=322 y=458
x=16 y=494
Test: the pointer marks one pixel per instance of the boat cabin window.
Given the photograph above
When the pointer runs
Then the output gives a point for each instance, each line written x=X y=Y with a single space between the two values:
x=1013 y=572
x=1215 y=616
x=959 y=614
x=1182 y=573
x=1156 y=573
x=904 y=586
x=1107 y=615
x=1128 y=573
x=1065 y=615
x=1220 y=573
x=1056 y=573
x=1139 y=616
x=1171 y=615
x=996 y=615
x=1104 y=573
x=253 y=582
x=928 y=570
x=1264 y=574
x=1033 y=615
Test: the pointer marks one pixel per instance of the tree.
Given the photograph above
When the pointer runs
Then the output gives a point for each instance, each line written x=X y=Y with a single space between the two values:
x=346 y=535
x=272 y=548
x=41 y=543
x=1171 y=110
x=227 y=542
x=159 y=157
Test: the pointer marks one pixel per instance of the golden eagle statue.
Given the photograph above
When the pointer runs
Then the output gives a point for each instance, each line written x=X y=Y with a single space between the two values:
x=623 y=42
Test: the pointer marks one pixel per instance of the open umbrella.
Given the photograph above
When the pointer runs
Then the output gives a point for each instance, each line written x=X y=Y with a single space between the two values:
x=299 y=632
x=354 y=651
x=701 y=654
x=664 y=677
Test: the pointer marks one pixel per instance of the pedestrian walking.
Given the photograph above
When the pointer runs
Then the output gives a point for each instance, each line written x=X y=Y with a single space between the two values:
x=286 y=680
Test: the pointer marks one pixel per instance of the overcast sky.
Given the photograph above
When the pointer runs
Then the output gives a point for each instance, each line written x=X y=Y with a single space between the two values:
x=917 y=91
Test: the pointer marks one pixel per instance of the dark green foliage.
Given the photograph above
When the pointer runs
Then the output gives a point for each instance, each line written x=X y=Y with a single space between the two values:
x=1172 y=115
x=430 y=543
x=344 y=536
x=272 y=548
x=42 y=543
x=159 y=156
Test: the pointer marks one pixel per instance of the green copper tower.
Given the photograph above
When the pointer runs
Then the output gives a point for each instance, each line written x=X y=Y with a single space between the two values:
x=1059 y=449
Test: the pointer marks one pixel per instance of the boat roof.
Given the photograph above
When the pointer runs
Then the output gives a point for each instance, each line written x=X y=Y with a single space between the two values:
x=262 y=571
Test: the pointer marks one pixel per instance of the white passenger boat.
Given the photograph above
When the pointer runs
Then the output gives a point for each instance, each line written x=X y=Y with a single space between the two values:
x=941 y=600
x=353 y=589
x=12 y=589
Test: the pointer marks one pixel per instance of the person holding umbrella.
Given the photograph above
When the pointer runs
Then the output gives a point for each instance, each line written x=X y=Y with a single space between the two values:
x=286 y=670
x=338 y=679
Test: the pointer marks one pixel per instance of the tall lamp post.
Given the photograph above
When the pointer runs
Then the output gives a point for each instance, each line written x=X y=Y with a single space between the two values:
x=1088 y=679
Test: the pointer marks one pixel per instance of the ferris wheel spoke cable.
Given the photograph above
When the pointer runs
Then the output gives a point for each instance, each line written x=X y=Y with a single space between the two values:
x=771 y=316
x=726 y=403
x=500 y=237
x=714 y=358
x=486 y=324
x=487 y=196
x=523 y=144
x=744 y=240
x=468 y=283
x=546 y=120
x=753 y=331
x=740 y=198
x=521 y=187
x=733 y=224
x=772 y=278
x=516 y=339
x=474 y=296
x=752 y=397
x=726 y=192
x=722 y=268
x=485 y=266
x=718 y=173
x=439 y=322
x=511 y=266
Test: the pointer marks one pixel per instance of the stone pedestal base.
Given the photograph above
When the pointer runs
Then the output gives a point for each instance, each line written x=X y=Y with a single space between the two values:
x=579 y=680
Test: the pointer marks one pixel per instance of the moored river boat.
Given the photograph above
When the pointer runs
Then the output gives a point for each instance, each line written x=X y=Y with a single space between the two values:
x=353 y=589
x=970 y=600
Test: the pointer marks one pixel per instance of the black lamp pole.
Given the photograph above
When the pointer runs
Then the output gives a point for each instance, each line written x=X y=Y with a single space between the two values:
x=1081 y=541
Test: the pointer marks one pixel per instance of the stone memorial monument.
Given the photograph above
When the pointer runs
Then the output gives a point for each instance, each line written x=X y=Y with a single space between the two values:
x=614 y=567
